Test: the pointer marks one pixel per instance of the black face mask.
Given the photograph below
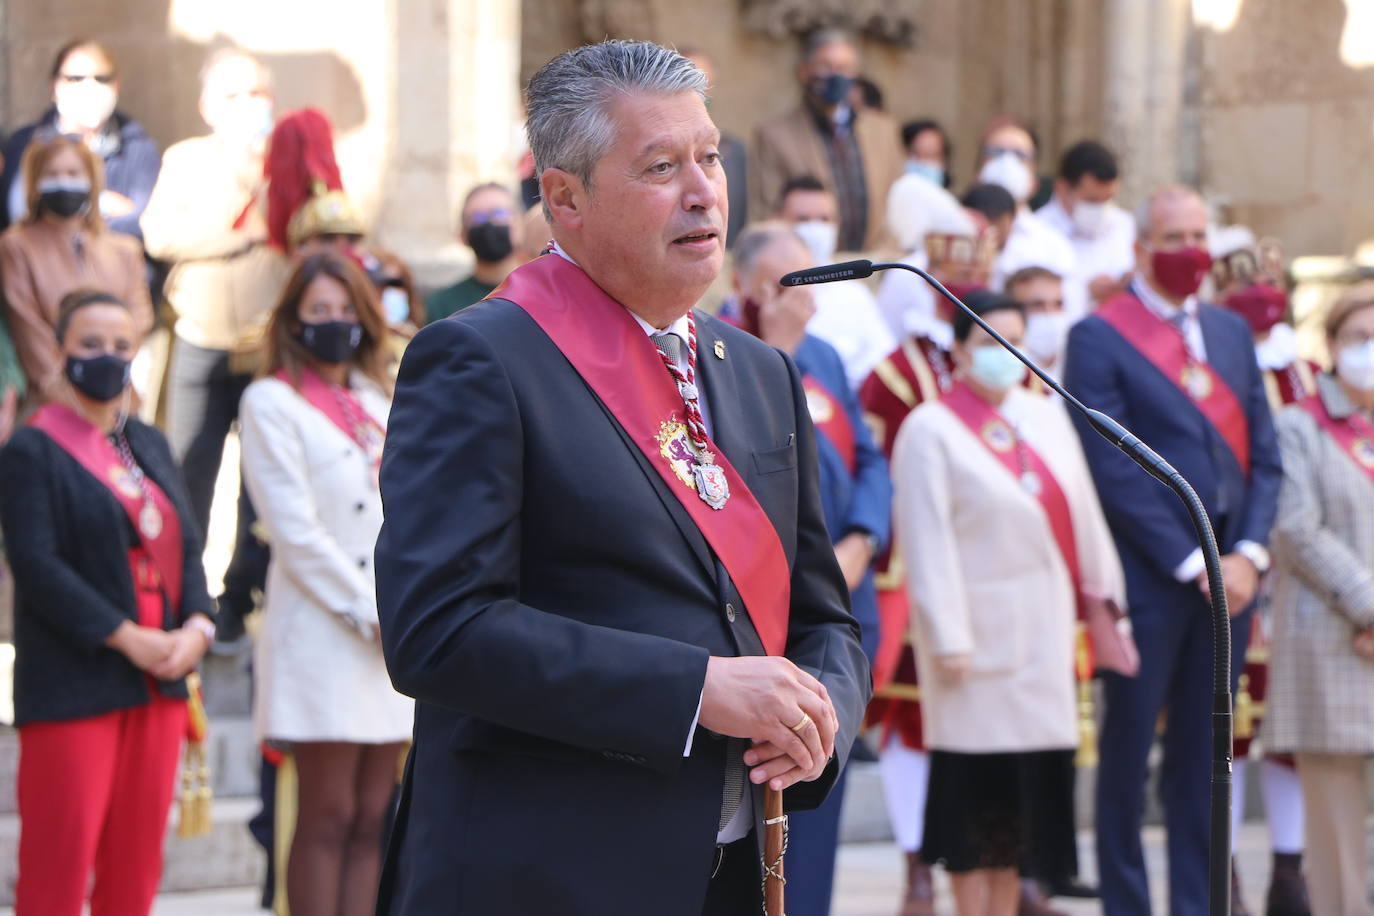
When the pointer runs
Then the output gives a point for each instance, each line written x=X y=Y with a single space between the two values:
x=331 y=342
x=490 y=242
x=832 y=89
x=100 y=378
x=64 y=202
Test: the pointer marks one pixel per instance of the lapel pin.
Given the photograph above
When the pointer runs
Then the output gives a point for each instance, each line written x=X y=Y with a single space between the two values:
x=720 y=349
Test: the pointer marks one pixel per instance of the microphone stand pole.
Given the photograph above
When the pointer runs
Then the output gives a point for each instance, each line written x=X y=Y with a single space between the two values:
x=1219 y=860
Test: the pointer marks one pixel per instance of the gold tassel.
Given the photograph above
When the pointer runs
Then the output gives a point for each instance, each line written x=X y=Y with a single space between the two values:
x=1245 y=710
x=1087 y=727
x=196 y=799
x=205 y=796
x=186 y=799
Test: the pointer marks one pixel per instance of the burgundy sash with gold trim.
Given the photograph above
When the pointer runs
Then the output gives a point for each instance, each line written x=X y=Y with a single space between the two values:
x=993 y=430
x=620 y=364
x=831 y=421
x=88 y=445
x=1354 y=434
x=1166 y=350
x=361 y=427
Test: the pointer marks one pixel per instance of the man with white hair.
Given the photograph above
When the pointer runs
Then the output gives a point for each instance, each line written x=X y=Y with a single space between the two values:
x=1182 y=375
x=605 y=575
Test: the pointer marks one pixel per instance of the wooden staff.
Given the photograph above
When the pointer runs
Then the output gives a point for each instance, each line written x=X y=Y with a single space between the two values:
x=774 y=848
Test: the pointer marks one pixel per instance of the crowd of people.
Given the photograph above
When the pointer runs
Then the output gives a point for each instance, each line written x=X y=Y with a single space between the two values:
x=1000 y=557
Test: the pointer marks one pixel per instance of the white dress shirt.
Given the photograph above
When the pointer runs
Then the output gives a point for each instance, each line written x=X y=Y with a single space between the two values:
x=1108 y=252
x=1033 y=243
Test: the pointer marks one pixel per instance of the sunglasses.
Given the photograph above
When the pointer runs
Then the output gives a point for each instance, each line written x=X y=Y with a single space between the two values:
x=103 y=79
x=992 y=152
x=499 y=215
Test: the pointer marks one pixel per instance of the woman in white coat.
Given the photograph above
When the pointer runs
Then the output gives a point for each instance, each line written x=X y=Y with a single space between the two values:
x=1002 y=536
x=313 y=428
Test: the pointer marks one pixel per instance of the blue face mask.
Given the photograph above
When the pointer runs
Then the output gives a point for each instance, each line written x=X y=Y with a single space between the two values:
x=995 y=368
x=832 y=89
x=928 y=170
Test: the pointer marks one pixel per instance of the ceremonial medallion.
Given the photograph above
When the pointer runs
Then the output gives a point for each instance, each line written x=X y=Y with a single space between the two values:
x=1030 y=482
x=124 y=481
x=1197 y=382
x=818 y=405
x=675 y=446
x=150 y=521
x=1363 y=450
x=999 y=436
x=712 y=486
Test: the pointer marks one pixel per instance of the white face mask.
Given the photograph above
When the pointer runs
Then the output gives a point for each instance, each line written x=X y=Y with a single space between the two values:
x=1088 y=217
x=1045 y=335
x=243 y=120
x=1012 y=173
x=86 y=105
x=1355 y=366
x=821 y=237
x=396 y=304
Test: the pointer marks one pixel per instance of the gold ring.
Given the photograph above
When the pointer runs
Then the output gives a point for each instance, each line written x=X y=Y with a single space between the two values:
x=805 y=721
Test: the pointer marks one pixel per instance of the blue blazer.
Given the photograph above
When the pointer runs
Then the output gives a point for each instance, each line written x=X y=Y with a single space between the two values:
x=861 y=500
x=1151 y=526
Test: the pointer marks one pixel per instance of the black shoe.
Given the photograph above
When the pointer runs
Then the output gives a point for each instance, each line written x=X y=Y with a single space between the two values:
x=1073 y=887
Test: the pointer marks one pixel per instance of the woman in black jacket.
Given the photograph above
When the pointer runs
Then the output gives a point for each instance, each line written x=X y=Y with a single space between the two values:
x=111 y=614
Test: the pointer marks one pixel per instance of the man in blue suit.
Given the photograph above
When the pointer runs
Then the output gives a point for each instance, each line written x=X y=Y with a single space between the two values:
x=856 y=496
x=1181 y=375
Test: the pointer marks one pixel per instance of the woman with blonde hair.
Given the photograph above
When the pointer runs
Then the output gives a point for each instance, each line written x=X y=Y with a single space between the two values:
x=313 y=428
x=62 y=244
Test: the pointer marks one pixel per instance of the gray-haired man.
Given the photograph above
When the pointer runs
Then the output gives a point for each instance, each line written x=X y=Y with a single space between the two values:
x=605 y=575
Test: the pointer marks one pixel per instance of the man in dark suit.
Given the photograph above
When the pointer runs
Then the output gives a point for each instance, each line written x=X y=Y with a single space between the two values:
x=602 y=511
x=1181 y=375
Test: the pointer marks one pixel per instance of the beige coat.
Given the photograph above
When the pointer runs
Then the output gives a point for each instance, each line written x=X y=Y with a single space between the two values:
x=1321 y=694
x=222 y=278
x=39 y=264
x=791 y=146
x=987 y=579
x=320 y=676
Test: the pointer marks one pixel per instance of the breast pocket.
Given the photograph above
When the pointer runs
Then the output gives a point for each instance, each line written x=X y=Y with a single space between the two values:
x=776 y=460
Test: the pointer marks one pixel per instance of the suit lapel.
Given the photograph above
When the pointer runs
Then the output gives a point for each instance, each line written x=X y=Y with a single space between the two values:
x=1219 y=354
x=722 y=400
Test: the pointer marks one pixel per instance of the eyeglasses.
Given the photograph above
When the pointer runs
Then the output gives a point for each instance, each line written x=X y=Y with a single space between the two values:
x=499 y=215
x=103 y=79
x=1353 y=339
x=992 y=152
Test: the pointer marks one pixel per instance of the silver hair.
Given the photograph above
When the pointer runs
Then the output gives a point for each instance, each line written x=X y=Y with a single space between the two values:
x=822 y=38
x=566 y=101
x=758 y=238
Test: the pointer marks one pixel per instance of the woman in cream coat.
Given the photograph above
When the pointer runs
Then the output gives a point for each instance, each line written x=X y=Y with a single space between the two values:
x=313 y=428
x=995 y=605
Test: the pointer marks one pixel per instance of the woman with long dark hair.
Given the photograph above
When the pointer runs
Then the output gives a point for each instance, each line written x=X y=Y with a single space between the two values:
x=313 y=427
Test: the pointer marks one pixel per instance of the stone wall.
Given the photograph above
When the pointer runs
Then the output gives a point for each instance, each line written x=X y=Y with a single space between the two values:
x=422 y=93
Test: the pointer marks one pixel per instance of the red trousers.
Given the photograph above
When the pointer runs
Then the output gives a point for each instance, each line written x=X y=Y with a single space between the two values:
x=93 y=796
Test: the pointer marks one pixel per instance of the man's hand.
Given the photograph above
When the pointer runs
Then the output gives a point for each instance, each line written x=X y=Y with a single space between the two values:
x=763 y=698
x=952 y=670
x=1240 y=578
x=784 y=317
x=1103 y=287
x=146 y=647
x=854 y=556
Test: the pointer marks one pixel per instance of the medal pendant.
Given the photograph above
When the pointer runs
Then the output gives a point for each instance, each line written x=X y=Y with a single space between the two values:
x=1030 y=482
x=712 y=486
x=687 y=390
x=150 y=521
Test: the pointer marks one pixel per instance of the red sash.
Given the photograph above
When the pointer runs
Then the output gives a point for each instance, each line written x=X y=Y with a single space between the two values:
x=620 y=364
x=343 y=410
x=1354 y=434
x=831 y=421
x=1164 y=347
x=88 y=445
x=1001 y=440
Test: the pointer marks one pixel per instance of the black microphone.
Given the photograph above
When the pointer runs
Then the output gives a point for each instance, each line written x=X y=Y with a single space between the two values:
x=1219 y=866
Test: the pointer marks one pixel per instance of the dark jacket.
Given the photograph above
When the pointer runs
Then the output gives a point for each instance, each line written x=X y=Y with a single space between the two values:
x=551 y=606
x=68 y=540
x=130 y=169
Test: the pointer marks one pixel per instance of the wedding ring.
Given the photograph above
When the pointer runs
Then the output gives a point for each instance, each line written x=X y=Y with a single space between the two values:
x=805 y=721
